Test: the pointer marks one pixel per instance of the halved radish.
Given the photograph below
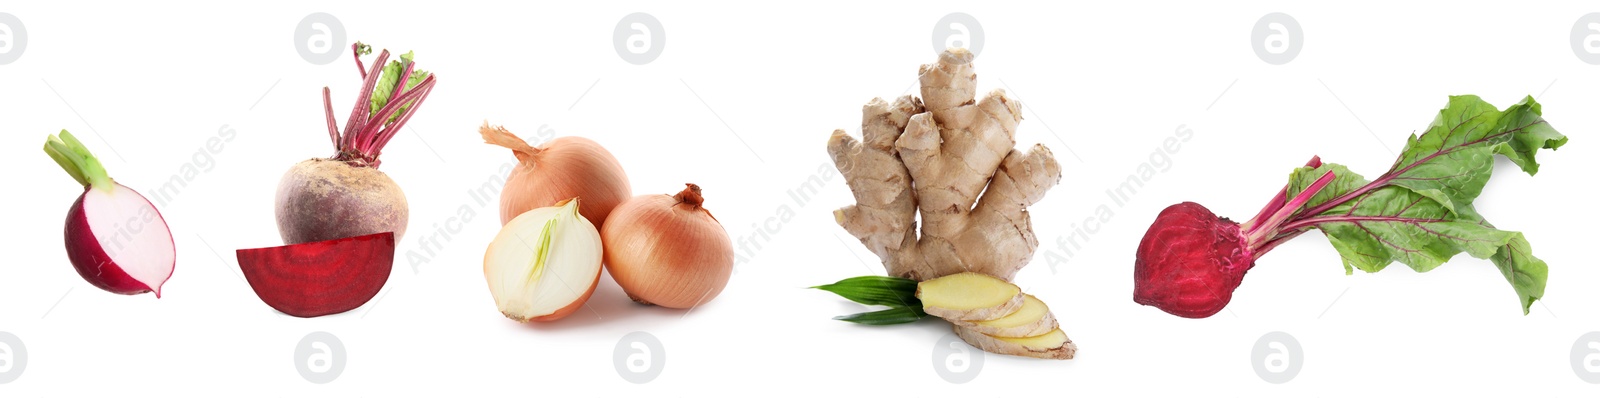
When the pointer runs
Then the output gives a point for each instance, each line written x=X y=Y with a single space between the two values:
x=320 y=278
x=115 y=238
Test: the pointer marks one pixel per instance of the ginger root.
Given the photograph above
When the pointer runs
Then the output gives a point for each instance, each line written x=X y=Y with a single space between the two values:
x=937 y=156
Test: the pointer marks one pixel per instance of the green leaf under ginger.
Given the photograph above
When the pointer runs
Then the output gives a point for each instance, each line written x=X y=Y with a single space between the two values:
x=876 y=290
x=892 y=316
x=1420 y=213
x=390 y=77
x=899 y=294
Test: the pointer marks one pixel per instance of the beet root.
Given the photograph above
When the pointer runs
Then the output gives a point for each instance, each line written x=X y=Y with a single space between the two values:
x=1190 y=261
x=327 y=199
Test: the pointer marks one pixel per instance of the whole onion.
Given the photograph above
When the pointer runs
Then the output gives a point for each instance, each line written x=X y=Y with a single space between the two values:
x=562 y=169
x=667 y=250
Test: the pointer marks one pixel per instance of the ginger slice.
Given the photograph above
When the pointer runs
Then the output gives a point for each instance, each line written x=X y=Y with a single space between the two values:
x=1033 y=319
x=1050 y=345
x=969 y=296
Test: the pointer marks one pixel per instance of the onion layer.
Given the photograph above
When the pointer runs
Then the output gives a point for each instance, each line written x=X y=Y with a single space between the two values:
x=544 y=264
x=668 y=250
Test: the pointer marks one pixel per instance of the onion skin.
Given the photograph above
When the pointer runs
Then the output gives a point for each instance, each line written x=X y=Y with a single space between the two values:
x=562 y=169
x=325 y=199
x=668 y=250
x=92 y=261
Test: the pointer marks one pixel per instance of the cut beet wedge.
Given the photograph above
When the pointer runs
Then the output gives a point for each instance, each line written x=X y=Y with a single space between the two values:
x=320 y=278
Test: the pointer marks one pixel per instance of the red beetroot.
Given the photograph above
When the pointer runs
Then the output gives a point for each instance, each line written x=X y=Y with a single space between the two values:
x=1419 y=213
x=320 y=278
x=1190 y=261
x=345 y=195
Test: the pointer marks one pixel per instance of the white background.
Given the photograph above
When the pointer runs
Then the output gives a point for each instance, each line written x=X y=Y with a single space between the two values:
x=741 y=101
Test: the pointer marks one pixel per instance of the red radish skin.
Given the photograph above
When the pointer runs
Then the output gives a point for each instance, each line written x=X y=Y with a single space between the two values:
x=320 y=278
x=115 y=239
x=146 y=244
x=1190 y=261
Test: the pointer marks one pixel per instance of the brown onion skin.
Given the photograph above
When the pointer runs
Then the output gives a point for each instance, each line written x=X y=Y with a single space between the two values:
x=667 y=250
x=566 y=168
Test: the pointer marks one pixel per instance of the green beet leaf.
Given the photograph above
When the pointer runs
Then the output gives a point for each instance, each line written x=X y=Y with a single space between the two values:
x=1420 y=213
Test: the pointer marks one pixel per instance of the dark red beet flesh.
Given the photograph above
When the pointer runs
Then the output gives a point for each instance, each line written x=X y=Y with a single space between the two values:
x=320 y=278
x=1190 y=261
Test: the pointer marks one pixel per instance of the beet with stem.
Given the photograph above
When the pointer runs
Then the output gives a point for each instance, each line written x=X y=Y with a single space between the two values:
x=1419 y=213
x=345 y=195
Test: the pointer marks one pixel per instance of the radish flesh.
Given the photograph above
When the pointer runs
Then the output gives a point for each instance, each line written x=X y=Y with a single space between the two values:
x=115 y=238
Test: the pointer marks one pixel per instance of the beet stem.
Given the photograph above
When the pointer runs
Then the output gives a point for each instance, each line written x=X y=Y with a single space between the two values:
x=1277 y=202
x=394 y=105
x=425 y=88
x=1271 y=244
x=368 y=130
x=333 y=125
x=357 y=50
x=370 y=137
x=1270 y=226
x=360 y=112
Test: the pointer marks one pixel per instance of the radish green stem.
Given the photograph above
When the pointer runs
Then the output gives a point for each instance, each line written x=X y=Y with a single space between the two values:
x=75 y=158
